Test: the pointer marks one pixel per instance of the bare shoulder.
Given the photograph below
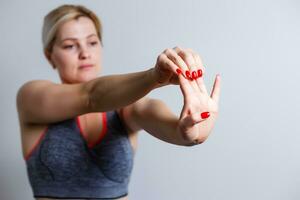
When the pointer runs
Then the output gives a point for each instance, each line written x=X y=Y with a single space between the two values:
x=44 y=102
x=33 y=84
x=29 y=88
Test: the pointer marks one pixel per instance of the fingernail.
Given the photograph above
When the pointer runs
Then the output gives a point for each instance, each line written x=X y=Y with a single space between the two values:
x=194 y=75
x=199 y=73
x=178 y=71
x=188 y=74
x=205 y=115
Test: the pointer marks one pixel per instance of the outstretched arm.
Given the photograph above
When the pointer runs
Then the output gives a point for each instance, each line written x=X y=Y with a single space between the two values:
x=43 y=102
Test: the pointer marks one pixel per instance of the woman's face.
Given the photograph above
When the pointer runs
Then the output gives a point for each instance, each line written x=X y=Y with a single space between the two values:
x=77 y=51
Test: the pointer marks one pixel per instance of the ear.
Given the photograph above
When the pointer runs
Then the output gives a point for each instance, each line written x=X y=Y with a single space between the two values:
x=48 y=56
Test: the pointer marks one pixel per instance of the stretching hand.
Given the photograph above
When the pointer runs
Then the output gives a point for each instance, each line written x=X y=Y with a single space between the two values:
x=200 y=110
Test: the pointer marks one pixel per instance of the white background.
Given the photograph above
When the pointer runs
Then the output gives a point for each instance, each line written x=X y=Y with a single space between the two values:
x=253 y=151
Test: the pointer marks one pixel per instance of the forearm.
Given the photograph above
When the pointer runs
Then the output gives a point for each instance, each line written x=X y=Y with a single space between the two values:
x=156 y=118
x=165 y=126
x=115 y=91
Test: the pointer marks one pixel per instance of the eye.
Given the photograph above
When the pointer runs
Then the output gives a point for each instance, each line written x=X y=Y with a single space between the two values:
x=68 y=46
x=94 y=43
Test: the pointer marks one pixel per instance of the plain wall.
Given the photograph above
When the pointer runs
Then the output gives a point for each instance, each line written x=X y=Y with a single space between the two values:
x=253 y=151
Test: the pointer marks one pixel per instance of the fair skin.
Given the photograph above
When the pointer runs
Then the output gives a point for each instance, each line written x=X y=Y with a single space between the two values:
x=86 y=95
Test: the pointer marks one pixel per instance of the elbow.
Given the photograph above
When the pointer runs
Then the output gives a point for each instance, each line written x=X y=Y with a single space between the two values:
x=91 y=95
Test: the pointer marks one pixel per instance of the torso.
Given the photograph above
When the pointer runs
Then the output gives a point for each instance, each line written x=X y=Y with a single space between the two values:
x=91 y=125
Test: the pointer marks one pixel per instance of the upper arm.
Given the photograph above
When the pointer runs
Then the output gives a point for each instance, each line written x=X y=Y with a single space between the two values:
x=128 y=116
x=43 y=101
x=130 y=113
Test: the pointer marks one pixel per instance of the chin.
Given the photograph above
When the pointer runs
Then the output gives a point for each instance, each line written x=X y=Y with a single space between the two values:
x=87 y=77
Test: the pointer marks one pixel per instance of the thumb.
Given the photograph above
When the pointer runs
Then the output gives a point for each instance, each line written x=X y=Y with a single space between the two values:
x=192 y=119
x=215 y=94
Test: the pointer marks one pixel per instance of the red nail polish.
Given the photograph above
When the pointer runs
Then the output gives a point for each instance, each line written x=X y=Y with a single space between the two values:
x=205 y=115
x=194 y=75
x=187 y=74
x=199 y=73
x=178 y=71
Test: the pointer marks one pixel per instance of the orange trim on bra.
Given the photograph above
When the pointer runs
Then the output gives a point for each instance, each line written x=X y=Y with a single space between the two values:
x=102 y=133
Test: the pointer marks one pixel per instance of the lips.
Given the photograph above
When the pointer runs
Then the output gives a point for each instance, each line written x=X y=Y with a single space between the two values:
x=85 y=66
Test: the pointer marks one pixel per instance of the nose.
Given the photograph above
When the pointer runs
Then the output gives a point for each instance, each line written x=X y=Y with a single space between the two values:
x=84 y=53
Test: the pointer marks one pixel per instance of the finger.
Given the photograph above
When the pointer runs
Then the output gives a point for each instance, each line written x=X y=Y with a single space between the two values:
x=185 y=86
x=198 y=59
x=177 y=60
x=215 y=94
x=200 y=80
x=192 y=119
x=188 y=58
x=198 y=72
x=191 y=62
x=180 y=65
x=162 y=58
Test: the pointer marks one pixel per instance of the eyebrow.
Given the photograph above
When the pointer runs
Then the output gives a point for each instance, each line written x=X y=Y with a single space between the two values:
x=70 y=38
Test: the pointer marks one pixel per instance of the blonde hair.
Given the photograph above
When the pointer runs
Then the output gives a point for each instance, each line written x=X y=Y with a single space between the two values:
x=62 y=14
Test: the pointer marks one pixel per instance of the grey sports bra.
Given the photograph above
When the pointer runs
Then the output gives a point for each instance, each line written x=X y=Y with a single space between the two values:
x=63 y=165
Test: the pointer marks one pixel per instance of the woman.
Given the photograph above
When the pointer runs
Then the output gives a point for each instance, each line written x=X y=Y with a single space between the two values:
x=79 y=137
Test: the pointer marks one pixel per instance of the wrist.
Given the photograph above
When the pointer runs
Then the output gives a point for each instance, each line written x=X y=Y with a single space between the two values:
x=155 y=78
x=187 y=141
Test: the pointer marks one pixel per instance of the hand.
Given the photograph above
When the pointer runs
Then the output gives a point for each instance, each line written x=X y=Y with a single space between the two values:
x=166 y=66
x=192 y=125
